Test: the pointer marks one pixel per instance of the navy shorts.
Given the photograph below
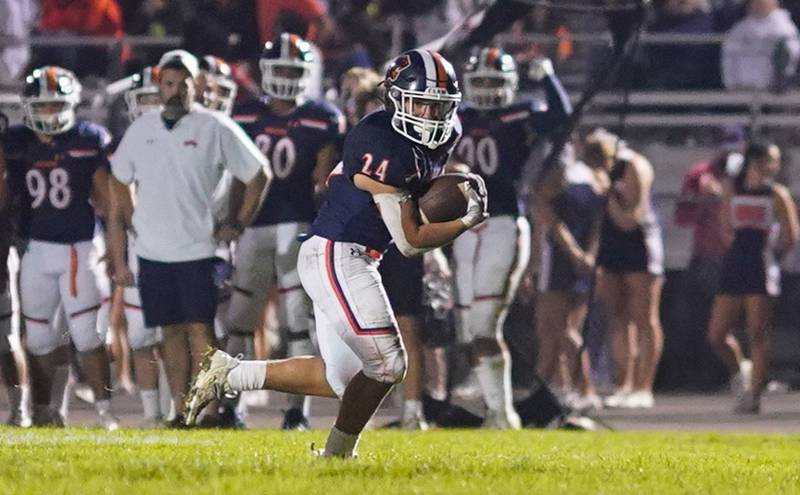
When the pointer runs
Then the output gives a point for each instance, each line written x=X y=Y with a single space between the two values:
x=402 y=279
x=180 y=292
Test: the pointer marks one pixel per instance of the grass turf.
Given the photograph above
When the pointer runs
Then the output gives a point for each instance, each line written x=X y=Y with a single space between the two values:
x=86 y=461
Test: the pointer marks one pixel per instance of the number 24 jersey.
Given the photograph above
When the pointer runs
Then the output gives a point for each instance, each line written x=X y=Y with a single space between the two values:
x=52 y=182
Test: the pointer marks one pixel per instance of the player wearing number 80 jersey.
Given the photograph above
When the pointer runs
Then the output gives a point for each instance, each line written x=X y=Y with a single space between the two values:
x=499 y=136
x=301 y=140
x=60 y=164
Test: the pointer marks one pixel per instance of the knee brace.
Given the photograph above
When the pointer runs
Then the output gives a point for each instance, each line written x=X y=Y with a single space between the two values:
x=390 y=365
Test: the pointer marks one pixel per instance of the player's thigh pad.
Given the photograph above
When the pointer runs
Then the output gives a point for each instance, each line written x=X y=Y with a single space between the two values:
x=502 y=256
x=254 y=273
x=343 y=281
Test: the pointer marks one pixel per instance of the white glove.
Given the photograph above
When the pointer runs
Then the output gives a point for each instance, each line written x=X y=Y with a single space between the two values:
x=540 y=68
x=477 y=202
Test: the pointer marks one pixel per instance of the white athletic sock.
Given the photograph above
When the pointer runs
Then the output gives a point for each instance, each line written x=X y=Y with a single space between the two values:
x=302 y=402
x=494 y=378
x=150 y=403
x=102 y=406
x=61 y=392
x=340 y=444
x=412 y=409
x=249 y=375
x=165 y=402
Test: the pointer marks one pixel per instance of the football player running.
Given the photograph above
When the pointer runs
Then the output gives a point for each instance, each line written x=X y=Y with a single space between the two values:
x=387 y=158
x=499 y=136
x=63 y=164
x=302 y=141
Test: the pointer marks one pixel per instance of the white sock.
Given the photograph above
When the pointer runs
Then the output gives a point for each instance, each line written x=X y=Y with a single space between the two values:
x=494 y=378
x=62 y=390
x=412 y=409
x=340 y=444
x=102 y=406
x=150 y=403
x=165 y=403
x=249 y=375
x=302 y=402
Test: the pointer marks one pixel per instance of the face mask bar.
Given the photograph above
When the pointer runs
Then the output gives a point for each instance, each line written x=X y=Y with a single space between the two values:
x=49 y=123
x=425 y=131
x=135 y=107
x=223 y=96
x=281 y=87
x=490 y=98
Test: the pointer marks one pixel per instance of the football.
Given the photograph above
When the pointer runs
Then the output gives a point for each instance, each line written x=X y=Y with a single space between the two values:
x=443 y=199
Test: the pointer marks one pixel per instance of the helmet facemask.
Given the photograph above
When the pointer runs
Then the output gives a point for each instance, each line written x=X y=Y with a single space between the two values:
x=142 y=100
x=276 y=82
x=484 y=95
x=432 y=130
x=50 y=107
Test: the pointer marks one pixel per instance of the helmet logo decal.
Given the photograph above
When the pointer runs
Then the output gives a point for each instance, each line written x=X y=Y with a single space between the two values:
x=399 y=65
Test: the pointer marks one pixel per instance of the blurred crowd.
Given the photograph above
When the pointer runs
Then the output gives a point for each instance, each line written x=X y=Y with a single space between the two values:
x=759 y=50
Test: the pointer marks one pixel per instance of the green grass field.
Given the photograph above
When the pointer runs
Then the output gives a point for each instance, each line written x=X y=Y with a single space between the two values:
x=84 y=461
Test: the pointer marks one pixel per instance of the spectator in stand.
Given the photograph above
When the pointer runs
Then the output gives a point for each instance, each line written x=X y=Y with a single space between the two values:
x=156 y=18
x=17 y=18
x=79 y=18
x=761 y=51
x=223 y=28
x=679 y=65
x=268 y=11
x=699 y=208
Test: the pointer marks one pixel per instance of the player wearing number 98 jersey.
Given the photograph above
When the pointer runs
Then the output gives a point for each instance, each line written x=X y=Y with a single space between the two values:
x=499 y=136
x=59 y=164
x=301 y=141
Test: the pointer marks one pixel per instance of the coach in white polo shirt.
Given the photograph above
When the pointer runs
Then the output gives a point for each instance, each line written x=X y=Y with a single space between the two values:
x=175 y=159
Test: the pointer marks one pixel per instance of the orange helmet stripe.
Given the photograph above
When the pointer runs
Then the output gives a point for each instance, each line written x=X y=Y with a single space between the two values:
x=441 y=74
x=491 y=57
x=52 y=79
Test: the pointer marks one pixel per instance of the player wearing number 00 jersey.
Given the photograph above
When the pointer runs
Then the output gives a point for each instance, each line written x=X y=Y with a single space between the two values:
x=61 y=165
x=301 y=141
x=499 y=136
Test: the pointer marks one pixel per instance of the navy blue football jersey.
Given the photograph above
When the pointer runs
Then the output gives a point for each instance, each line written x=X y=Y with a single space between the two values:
x=54 y=181
x=376 y=150
x=291 y=143
x=496 y=144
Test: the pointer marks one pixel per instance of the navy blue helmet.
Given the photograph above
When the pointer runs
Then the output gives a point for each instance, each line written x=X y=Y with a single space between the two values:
x=422 y=94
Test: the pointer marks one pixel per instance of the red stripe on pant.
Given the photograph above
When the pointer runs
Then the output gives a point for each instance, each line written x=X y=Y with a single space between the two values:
x=337 y=290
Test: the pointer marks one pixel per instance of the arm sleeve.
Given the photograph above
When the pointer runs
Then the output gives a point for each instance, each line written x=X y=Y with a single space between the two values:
x=122 y=163
x=559 y=107
x=239 y=154
x=389 y=206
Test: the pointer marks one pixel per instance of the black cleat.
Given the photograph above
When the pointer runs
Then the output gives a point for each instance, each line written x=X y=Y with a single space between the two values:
x=295 y=420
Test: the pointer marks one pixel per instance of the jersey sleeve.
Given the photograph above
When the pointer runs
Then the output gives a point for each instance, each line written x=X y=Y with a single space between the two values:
x=381 y=156
x=240 y=155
